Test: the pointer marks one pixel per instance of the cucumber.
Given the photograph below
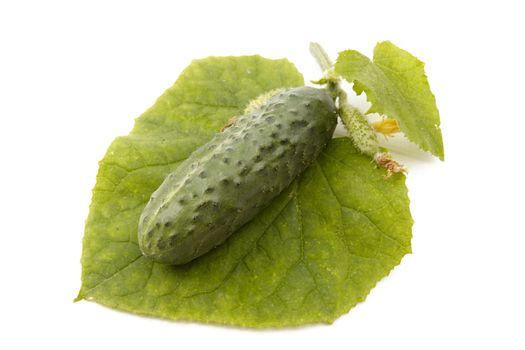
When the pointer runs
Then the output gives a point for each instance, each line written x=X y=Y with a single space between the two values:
x=227 y=181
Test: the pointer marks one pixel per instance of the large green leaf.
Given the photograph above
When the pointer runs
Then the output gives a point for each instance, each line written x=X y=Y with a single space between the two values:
x=396 y=84
x=309 y=257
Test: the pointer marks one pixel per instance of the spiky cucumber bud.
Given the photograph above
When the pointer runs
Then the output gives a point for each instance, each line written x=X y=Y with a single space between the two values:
x=360 y=132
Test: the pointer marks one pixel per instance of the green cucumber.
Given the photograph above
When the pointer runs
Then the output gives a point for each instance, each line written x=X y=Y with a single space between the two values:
x=227 y=181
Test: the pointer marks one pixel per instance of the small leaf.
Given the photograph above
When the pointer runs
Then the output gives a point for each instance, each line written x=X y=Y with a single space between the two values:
x=396 y=85
x=297 y=262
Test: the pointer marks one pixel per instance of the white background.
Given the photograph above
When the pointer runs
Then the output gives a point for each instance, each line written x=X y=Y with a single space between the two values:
x=74 y=75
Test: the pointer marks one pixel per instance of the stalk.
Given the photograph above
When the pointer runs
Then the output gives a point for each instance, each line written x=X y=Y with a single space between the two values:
x=359 y=130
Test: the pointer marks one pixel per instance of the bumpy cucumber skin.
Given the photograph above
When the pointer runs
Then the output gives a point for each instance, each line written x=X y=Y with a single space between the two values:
x=227 y=181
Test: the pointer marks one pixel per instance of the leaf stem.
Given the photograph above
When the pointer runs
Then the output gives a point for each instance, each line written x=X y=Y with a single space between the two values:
x=321 y=56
